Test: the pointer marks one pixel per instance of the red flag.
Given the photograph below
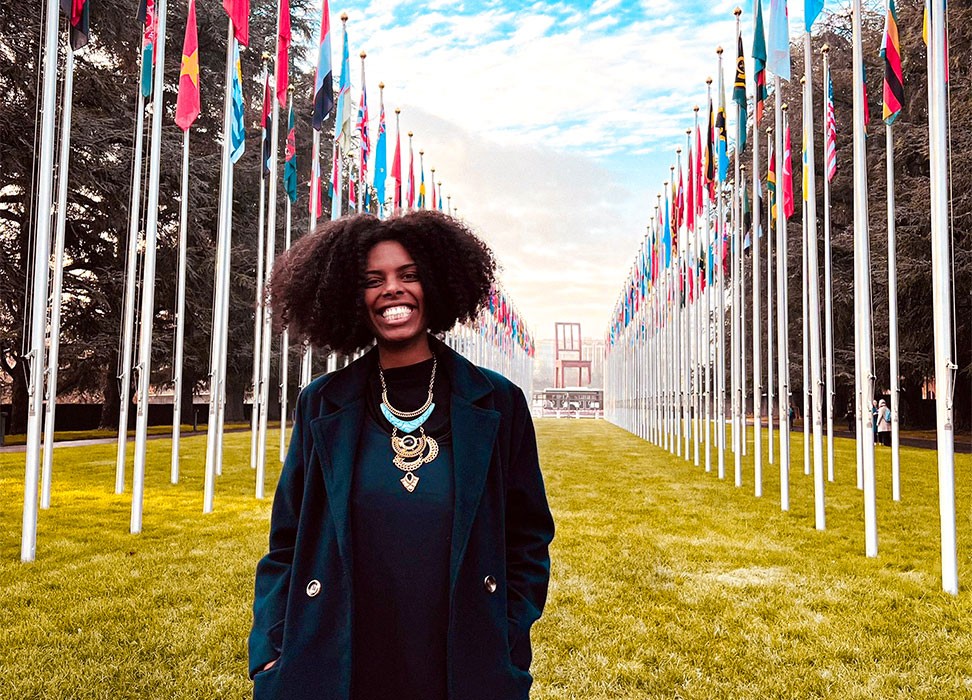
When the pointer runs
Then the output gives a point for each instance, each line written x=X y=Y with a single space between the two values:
x=188 y=104
x=787 y=175
x=690 y=193
x=396 y=171
x=239 y=14
x=283 y=53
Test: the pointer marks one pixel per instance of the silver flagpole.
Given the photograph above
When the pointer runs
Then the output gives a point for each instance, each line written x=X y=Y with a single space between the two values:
x=782 y=314
x=38 y=321
x=893 y=325
x=225 y=202
x=814 y=300
x=707 y=342
x=258 y=284
x=148 y=278
x=693 y=248
x=306 y=356
x=945 y=367
x=180 y=311
x=267 y=340
x=804 y=310
x=769 y=292
x=64 y=158
x=828 y=293
x=737 y=345
x=285 y=336
x=863 y=283
x=362 y=183
x=720 y=231
x=757 y=360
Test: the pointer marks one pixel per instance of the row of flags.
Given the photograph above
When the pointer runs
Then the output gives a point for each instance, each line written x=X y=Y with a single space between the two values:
x=502 y=323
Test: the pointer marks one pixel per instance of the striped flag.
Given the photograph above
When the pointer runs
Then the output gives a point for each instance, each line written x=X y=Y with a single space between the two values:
x=239 y=14
x=830 y=133
x=778 y=40
x=237 y=130
x=146 y=15
x=788 y=206
x=283 y=53
x=188 y=103
x=396 y=172
x=893 y=77
x=771 y=183
x=759 y=64
x=421 y=190
x=722 y=143
x=290 y=157
x=381 y=157
x=710 y=153
x=698 y=176
x=739 y=93
x=77 y=12
x=690 y=191
x=323 y=81
x=364 y=146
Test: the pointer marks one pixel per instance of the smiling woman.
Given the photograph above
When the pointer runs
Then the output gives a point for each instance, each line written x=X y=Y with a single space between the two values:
x=409 y=538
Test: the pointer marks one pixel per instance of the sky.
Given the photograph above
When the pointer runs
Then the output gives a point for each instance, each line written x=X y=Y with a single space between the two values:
x=552 y=125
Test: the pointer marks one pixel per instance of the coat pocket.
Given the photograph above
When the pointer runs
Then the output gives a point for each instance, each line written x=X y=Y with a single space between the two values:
x=275 y=636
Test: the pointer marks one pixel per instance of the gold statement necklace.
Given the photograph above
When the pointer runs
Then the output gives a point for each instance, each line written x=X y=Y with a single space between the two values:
x=411 y=451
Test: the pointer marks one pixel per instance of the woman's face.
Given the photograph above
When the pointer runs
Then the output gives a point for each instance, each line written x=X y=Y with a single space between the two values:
x=393 y=295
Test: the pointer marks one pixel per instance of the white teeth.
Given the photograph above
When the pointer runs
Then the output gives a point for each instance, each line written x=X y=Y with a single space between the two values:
x=394 y=313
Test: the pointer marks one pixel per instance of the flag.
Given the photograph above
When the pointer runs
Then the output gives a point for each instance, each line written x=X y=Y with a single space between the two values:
x=680 y=200
x=433 y=206
x=893 y=77
x=759 y=64
x=335 y=174
x=364 y=144
x=266 y=124
x=722 y=144
x=411 y=176
x=690 y=191
x=811 y=10
x=187 y=103
x=867 y=108
x=146 y=15
x=237 y=129
x=739 y=94
x=396 y=172
x=323 y=83
x=710 y=152
x=667 y=234
x=290 y=157
x=787 y=174
x=771 y=183
x=778 y=40
x=830 y=142
x=421 y=191
x=698 y=176
x=239 y=14
x=283 y=53
x=381 y=158
x=805 y=168
x=342 y=121
x=316 y=191
x=77 y=13
x=352 y=196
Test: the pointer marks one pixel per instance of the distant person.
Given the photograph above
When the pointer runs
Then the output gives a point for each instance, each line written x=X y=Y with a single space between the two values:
x=409 y=535
x=851 y=419
x=874 y=417
x=791 y=417
x=884 y=423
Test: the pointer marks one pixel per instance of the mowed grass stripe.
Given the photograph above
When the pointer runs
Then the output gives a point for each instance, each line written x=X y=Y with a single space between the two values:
x=667 y=582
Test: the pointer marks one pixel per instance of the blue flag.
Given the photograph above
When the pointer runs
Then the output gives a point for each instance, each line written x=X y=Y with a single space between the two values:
x=323 y=86
x=667 y=233
x=381 y=160
x=812 y=10
x=237 y=129
x=778 y=40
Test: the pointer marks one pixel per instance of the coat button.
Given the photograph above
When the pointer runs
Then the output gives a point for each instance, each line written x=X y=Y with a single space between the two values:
x=489 y=583
x=313 y=588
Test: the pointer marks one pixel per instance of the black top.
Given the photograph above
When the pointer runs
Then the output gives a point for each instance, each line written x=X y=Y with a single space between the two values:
x=401 y=543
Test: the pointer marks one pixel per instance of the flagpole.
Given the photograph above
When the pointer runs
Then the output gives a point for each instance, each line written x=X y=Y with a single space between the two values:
x=64 y=158
x=738 y=436
x=893 y=324
x=721 y=293
x=148 y=277
x=863 y=284
x=828 y=288
x=285 y=336
x=362 y=183
x=707 y=235
x=814 y=299
x=782 y=312
x=131 y=288
x=945 y=367
x=38 y=325
x=258 y=281
x=804 y=293
x=757 y=350
x=693 y=308
x=180 y=311
x=267 y=340
x=770 y=232
x=213 y=445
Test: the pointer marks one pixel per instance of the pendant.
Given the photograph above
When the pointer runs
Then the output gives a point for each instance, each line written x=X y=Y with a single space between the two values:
x=406 y=426
x=409 y=481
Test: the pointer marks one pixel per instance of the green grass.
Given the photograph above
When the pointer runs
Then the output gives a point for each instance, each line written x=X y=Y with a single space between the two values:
x=62 y=435
x=667 y=582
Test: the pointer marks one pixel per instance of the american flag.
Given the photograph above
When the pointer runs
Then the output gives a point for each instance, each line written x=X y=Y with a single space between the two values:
x=830 y=141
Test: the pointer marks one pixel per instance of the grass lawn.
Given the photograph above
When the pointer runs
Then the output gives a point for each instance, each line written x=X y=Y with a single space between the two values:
x=667 y=582
x=61 y=435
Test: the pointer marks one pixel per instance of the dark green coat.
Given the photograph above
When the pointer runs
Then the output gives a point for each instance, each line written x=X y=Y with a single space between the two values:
x=499 y=564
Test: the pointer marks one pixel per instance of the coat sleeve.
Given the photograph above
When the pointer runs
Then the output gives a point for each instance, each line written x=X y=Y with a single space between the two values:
x=273 y=570
x=529 y=531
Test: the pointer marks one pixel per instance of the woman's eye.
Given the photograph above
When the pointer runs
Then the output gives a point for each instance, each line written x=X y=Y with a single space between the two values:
x=372 y=282
x=410 y=277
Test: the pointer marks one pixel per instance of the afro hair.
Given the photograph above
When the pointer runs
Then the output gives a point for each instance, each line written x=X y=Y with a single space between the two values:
x=316 y=287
